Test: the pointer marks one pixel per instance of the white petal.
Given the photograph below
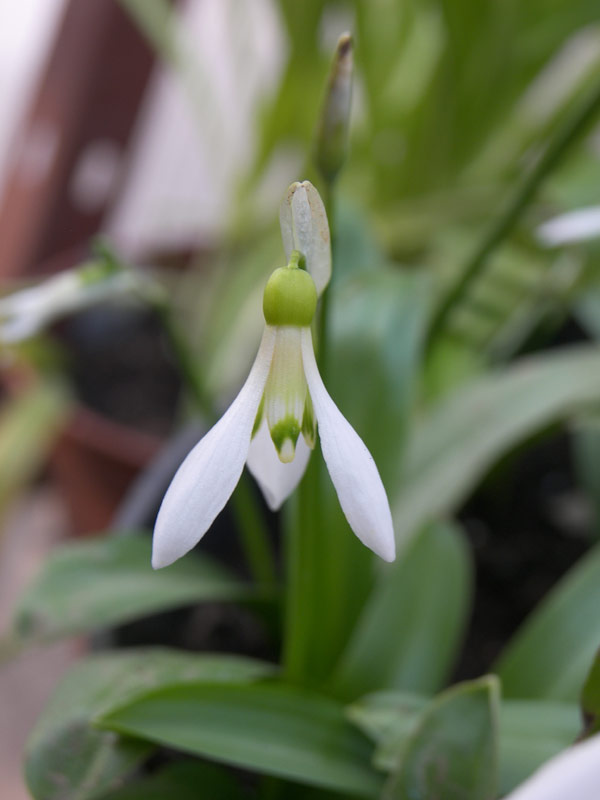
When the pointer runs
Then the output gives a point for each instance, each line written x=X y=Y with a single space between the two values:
x=304 y=227
x=276 y=479
x=17 y=329
x=573 y=773
x=209 y=474
x=575 y=226
x=351 y=466
x=24 y=313
x=28 y=311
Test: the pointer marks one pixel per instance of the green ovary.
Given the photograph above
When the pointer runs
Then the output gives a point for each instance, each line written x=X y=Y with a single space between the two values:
x=290 y=296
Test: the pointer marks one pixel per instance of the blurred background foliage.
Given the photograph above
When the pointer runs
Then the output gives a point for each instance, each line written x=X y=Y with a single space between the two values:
x=455 y=105
x=473 y=123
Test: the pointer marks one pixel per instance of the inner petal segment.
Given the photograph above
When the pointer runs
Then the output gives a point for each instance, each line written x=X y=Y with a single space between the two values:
x=285 y=392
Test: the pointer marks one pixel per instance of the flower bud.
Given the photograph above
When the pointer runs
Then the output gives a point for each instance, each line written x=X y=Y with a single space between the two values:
x=332 y=132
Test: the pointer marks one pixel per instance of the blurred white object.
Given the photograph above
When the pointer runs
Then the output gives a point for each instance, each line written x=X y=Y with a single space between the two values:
x=575 y=226
x=567 y=68
x=574 y=773
x=25 y=313
x=27 y=29
x=196 y=130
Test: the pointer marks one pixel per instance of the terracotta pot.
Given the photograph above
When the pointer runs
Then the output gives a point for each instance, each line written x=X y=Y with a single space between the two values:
x=96 y=458
x=94 y=463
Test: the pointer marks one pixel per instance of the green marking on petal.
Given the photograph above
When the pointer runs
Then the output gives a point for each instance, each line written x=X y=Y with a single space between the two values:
x=309 y=423
x=259 y=416
x=285 y=435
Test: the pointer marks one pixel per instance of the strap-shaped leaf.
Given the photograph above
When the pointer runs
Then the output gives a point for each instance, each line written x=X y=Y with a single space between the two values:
x=376 y=325
x=462 y=436
x=531 y=731
x=109 y=581
x=274 y=729
x=67 y=759
x=412 y=624
x=551 y=654
x=182 y=780
x=29 y=425
x=452 y=752
x=590 y=699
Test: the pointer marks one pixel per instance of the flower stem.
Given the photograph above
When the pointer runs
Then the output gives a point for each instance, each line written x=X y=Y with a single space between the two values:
x=253 y=534
x=306 y=572
x=250 y=521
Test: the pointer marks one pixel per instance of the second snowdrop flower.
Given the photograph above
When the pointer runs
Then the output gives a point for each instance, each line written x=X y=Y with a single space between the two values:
x=273 y=423
x=27 y=312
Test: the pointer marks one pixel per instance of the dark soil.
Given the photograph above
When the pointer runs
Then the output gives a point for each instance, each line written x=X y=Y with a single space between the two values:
x=119 y=366
x=527 y=527
x=528 y=523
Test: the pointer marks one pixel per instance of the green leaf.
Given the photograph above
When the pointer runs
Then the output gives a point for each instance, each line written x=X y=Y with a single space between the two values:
x=412 y=625
x=275 y=729
x=109 y=581
x=377 y=322
x=552 y=652
x=452 y=753
x=561 y=139
x=519 y=290
x=590 y=699
x=531 y=731
x=183 y=781
x=29 y=425
x=67 y=759
x=457 y=441
x=586 y=457
x=389 y=718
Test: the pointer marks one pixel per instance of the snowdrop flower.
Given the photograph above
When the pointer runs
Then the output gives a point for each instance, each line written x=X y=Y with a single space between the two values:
x=27 y=312
x=573 y=773
x=272 y=424
x=575 y=226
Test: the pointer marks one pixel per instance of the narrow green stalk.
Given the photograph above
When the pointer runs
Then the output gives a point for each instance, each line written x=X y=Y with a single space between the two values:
x=253 y=534
x=295 y=627
x=304 y=567
x=250 y=522
x=568 y=134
